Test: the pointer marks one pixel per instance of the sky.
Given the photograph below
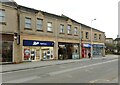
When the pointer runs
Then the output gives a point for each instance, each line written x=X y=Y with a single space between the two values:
x=84 y=11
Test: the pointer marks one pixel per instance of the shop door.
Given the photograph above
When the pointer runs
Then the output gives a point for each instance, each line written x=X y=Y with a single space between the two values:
x=38 y=54
x=33 y=54
x=7 y=49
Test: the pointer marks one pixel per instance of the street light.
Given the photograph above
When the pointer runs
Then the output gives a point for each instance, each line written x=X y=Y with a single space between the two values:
x=91 y=40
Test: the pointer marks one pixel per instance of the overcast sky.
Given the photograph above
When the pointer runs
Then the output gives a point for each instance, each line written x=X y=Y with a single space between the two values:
x=83 y=11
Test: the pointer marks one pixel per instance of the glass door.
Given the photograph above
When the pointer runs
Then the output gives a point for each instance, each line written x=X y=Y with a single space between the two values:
x=33 y=54
x=38 y=53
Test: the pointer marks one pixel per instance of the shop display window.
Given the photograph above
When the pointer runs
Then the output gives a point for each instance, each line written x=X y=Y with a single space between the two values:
x=26 y=54
x=38 y=53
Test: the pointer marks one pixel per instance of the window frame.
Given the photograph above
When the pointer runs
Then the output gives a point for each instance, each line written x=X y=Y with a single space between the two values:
x=39 y=24
x=69 y=29
x=87 y=35
x=95 y=36
x=28 y=23
x=61 y=28
x=100 y=36
x=2 y=16
x=49 y=28
x=81 y=34
x=75 y=30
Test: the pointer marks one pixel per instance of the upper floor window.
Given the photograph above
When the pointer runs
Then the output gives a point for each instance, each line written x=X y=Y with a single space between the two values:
x=27 y=22
x=61 y=28
x=69 y=29
x=75 y=30
x=87 y=35
x=39 y=24
x=95 y=36
x=2 y=15
x=49 y=26
x=99 y=36
x=81 y=34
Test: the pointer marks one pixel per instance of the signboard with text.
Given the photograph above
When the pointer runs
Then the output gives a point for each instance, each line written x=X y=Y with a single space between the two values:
x=37 y=43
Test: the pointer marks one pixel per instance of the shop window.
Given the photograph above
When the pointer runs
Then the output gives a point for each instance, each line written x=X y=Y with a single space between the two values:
x=26 y=54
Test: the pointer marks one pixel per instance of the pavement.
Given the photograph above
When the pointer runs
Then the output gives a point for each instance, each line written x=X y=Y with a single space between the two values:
x=38 y=64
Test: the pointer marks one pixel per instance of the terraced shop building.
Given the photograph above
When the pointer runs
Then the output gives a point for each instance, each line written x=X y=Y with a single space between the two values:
x=33 y=35
x=36 y=35
x=98 y=41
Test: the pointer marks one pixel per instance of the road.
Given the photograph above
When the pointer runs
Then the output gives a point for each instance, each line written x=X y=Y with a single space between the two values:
x=91 y=71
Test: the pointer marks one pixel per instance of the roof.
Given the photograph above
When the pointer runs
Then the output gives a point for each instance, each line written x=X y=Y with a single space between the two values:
x=9 y=2
x=109 y=38
x=117 y=39
x=91 y=27
x=13 y=3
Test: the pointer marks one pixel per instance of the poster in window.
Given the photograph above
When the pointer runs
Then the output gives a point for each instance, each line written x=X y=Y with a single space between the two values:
x=26 y=54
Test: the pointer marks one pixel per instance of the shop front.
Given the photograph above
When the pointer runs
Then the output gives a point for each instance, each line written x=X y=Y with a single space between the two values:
x=98 y=49
x=68 y=51
x=6 y=48
x=34 y=50
x=85 y=50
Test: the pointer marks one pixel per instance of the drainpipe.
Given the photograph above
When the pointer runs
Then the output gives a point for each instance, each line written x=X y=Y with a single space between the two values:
x=80 y=41
x=18 y=16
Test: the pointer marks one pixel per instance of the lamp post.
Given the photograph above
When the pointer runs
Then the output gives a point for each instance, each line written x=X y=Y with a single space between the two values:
x=91 y=40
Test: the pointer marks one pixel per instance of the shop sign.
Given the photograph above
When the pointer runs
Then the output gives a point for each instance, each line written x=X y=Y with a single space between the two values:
x=86 y=45
x=37 y=43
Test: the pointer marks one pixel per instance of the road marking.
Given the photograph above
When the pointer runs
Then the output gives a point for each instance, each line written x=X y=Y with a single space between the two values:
x=99 y=81
x=55 y=73
x=72 y=69
x=21 y=80
x=52 y=73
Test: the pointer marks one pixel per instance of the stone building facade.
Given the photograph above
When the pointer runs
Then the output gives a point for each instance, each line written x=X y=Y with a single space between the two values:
x=33 y=35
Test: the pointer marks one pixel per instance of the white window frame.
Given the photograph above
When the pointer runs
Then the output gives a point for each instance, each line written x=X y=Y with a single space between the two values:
x=28 y=22
x=39 y=24
x=61 y=28
x=2 y=15
x=69 y=29
x=75 y=30
x=49 y=26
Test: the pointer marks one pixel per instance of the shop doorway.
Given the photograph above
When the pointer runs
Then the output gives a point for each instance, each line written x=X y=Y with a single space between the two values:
x=33 y=54
x=47 y=53
x=38 y=54
x=7 y=49
x=68 y=51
